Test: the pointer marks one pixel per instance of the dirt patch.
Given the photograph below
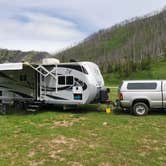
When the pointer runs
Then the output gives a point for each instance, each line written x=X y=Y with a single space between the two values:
x=61 y=143
x=62 y=140
x=63 y=123
x=41 y=125
x=67 y=123
x=59 y=148
x=36 y=163
x=74 y=163
x=149 y=145
x=33 y=141
x=31 y=153
x=56 y=155
x=55 y=148
x=105 y=164
x=162 y=159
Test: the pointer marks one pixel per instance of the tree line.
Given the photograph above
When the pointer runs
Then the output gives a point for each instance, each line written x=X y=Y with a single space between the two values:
x=129 y=46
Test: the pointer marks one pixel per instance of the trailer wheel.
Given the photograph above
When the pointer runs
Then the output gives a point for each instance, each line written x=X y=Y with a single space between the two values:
x=140 y=109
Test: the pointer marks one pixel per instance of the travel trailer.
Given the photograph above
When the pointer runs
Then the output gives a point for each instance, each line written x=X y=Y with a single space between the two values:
x=51 y=82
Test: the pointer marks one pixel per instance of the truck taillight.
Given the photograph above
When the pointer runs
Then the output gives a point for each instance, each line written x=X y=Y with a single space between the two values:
x=120 y=95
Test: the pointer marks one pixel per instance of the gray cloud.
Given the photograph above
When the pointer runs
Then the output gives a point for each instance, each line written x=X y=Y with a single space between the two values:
x=54 y=24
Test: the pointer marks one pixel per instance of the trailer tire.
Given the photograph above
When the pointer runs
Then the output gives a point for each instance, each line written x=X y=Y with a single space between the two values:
x=140 y=109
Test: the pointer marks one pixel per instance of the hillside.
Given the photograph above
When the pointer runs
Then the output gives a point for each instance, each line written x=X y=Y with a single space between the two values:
x=18 y=56
x=125 y=47
x=156 y=70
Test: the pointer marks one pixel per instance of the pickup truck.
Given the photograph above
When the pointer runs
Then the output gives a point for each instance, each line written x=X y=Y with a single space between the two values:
x=142 y=96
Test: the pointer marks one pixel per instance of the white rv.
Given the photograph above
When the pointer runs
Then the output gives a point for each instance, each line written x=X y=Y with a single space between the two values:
x=51 y=83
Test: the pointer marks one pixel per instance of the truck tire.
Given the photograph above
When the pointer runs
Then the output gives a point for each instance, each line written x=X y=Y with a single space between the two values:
x=140 y=109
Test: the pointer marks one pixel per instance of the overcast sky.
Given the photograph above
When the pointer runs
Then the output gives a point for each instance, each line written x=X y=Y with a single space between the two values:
x=51 y=25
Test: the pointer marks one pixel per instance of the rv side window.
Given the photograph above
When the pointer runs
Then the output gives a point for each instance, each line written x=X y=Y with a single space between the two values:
x=69 y=80
x=139 y=86
x=61 y=80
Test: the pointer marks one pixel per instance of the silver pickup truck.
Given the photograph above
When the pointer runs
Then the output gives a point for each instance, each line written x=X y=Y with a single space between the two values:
x=141 y=96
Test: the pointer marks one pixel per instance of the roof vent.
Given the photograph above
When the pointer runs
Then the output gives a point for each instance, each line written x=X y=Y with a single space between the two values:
x=50 y=61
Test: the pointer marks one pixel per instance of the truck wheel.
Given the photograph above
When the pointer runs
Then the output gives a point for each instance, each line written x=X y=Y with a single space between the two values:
x=140 y=109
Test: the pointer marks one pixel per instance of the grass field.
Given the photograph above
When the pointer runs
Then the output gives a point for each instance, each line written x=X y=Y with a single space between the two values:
x=76 y=138
x=87 y=136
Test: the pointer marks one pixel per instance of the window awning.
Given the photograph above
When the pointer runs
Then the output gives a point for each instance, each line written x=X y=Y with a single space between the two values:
x=11 y=66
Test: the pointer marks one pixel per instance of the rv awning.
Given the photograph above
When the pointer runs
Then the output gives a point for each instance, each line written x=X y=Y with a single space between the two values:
x=11 y=66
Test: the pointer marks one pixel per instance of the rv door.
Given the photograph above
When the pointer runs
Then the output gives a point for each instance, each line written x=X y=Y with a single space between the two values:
x=77 y=93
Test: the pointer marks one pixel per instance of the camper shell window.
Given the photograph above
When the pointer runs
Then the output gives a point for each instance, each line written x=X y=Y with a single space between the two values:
x=141 y=86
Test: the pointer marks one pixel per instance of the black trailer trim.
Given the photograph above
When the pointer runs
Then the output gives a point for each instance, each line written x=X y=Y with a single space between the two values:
x=52 y=89
x=75 y=67
x=6 y=76
x=56 y=97
x=21 y=94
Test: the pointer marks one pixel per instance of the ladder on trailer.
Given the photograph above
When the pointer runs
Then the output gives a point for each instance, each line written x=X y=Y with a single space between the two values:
x=43 y=71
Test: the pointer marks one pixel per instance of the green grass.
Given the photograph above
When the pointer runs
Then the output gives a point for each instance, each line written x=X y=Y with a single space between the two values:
x=84 y=137
x=157 y=71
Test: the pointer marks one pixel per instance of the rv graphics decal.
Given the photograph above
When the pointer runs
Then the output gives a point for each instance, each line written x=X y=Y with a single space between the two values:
x=76 y=83
x=52 y=89
x=75 y=67
x=56 y=97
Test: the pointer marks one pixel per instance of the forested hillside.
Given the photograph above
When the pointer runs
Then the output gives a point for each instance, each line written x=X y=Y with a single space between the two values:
x=124 y=48
x=156 y=70
x=18 y=56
